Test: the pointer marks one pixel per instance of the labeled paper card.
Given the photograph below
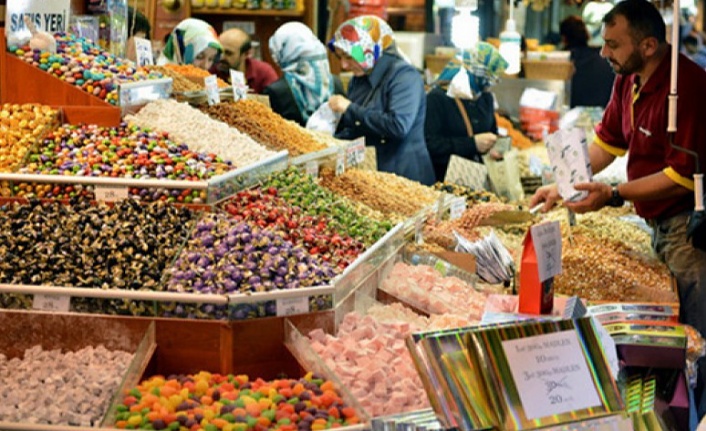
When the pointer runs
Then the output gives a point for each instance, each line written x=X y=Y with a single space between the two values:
x=239 y=83
x=143 y=52
x=568 y=154
x=551 y=374
x=547 y=244
x=211 y=83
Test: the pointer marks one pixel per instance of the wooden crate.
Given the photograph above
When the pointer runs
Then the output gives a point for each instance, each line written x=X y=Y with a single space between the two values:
x=548 y=69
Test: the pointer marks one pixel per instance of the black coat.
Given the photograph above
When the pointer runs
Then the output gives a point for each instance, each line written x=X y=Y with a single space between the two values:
x=282 y=100
x=446 y=132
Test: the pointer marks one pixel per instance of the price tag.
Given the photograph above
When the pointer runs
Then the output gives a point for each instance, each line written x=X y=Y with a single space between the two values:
x=551 y=374
x=291 y=306
x=55 y=303
x=546 y=238
x=211 y=83
x=312 y=168
x=340 y=163
x=143 y=51
x=419 y=231
x=440 y=207
x=356 y=152
x=240 y=85
x=110 y=193
x=457 y=208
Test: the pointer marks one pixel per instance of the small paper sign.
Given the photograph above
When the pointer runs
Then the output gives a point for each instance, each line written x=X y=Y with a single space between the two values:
x=143 y=51
x=419 y=231
x=211 y=84
x=551 y=374
x=547 y=243
x=240 y=85
x=55 y=303
x=291 y=306
x=356 y=152
x=340 y=163
x=440 y=206
x=110 y=194
x=312 y=168
x=457 y=208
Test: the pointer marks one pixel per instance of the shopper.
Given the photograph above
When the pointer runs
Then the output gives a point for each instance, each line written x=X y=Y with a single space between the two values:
x=192 y=42
x=137 y=26
x=386 y=101
x=593 y=77
x=238 y=55
x=659 y=177
x=463 y=125
x=307 y=82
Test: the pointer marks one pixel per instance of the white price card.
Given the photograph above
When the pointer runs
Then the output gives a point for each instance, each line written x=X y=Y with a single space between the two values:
x=56 y=303
x=551 y=374
x=356 y=152
x=291 y=306
x=143 y=51
x=110 y=193
x=240 y=85
x=457 y=207
x=546 y=238
x=312 y=168
x=211 y=83
x=340 y=163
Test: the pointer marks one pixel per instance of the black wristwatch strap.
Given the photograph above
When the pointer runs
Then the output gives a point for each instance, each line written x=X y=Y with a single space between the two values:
x=615 y=199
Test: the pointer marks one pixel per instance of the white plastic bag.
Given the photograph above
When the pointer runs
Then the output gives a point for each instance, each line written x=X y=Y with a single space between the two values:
x=324 y=120
x=460 y=86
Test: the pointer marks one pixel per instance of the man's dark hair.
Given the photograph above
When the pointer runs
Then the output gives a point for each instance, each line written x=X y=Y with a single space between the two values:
x=690 y=39
x=247 y=45
x=137 y=22
x=574 y=32
x=642 y=17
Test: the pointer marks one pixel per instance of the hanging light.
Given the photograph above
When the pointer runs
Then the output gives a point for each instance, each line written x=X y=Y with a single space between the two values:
x=465 y=27
x=510 y=41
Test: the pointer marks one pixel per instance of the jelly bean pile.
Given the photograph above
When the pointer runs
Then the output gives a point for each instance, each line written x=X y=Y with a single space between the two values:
x=212 y=402
x=81 y=63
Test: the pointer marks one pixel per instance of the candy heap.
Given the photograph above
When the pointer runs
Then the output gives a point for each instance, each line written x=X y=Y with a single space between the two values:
x=81 y=63
x=212 y=402
x=122 y=152
x=20 y=126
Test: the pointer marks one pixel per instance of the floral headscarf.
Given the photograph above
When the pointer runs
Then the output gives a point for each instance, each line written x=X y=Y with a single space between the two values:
x=484 y=65
x=363 y=38
x=189 y=39
x=303 y=60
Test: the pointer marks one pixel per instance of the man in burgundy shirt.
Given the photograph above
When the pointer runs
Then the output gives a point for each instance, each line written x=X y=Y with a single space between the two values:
x=660 y=180
x=237 y=54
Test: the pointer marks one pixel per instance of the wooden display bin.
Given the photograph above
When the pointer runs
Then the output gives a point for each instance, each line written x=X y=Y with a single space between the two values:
x=23 y=83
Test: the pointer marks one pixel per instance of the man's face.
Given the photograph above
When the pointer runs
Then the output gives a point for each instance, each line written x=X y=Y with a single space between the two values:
x=623 y=53
x=231 y=54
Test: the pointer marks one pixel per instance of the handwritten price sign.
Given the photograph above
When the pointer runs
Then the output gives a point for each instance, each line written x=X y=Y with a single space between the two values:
x=551 y=374
x=355 y=153
x=54 y=303
x=110 y=194
x=291 y=306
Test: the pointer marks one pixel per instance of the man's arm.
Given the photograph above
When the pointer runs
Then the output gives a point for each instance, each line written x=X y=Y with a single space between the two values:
x=599 y=157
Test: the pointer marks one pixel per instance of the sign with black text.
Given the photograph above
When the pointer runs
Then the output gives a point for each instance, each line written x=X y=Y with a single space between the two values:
x=50 y=16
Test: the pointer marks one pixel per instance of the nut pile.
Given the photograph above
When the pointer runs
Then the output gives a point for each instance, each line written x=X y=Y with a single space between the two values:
x=472 y=196
x=441 y=233
x=20 y=126
x=194 y=74
x=55 y=388
x=180 y=83
x=201 y=133
x=382 y=191
x=301 y=190
x=265 y=126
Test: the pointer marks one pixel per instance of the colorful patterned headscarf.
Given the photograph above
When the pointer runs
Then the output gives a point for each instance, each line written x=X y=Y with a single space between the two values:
x=188 y=39
x=304 y=62
x=363 y=38
x=484 y=66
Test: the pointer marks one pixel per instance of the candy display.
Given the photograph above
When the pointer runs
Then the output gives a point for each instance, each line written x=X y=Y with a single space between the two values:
x=211 y=402
x=314 y=233
x=83 y=64
x=55 y=388
x=383 y=191
x=372 y=361
x=20 y=126
x=397 y=312
x=301 y=190
x=265 y=126
x=425 y=288
x=201 y=133
x=122 y=152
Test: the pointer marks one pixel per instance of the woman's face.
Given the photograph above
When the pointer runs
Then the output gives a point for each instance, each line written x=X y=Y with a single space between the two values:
x=348 y=64
x=206 y=58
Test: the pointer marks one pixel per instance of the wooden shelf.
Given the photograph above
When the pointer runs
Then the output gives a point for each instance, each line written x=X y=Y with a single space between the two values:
x=247 y=12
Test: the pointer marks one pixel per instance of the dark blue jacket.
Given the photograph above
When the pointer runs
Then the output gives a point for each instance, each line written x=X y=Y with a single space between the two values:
x=388 y=108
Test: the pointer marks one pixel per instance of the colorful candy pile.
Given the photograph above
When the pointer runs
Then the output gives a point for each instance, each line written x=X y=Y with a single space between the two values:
x=20 y=125
x=81 y=63
x=212 y=402
x=122 y=152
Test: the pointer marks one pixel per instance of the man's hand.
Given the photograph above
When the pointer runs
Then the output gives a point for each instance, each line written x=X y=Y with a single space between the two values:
x=485 y=141
x=547 y=194
x=598 y=195
x=338 y=103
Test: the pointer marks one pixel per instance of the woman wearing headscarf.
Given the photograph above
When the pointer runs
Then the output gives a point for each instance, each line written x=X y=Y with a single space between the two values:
x=307 y=82
x=386 y=101
x=461 y=120
x=191 y=42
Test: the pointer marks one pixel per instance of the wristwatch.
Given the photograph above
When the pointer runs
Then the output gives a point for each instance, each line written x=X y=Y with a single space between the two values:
x=615 y=199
